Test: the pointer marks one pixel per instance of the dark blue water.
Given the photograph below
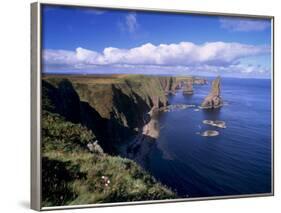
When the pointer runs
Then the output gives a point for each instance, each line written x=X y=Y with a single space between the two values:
x=236 y=162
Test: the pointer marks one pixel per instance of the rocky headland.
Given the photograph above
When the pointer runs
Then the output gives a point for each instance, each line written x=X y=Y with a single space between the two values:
x=87 y=120
x=114 y=107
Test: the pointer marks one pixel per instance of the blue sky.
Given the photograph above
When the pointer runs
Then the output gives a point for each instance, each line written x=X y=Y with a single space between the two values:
x=85 y=40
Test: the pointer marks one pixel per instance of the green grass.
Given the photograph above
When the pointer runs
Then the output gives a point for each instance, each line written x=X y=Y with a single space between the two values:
x=74 y=175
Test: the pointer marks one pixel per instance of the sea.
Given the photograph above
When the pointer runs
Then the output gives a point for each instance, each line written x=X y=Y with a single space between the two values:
x=236 y=162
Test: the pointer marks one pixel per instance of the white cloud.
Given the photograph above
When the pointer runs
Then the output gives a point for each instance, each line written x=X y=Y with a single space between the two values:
x=182 y=58
x=60 y=57
x=181 y=54
x=244 y=24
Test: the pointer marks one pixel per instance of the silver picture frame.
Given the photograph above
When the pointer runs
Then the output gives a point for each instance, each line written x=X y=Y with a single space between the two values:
x=36 y=65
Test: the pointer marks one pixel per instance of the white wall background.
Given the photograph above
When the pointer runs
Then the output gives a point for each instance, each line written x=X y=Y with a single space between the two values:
x=15 y=105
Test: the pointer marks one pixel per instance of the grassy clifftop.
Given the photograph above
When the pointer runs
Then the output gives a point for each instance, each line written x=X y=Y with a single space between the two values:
x=78 y=112
x=112 y=106
x=100 y=91
x=72 y=174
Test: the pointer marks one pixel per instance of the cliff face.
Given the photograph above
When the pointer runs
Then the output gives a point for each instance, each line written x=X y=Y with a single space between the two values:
x=75 y=170
x=169 y=84
x=213 y=100
x=125 y=102
x=83 y=120
x=114 y=109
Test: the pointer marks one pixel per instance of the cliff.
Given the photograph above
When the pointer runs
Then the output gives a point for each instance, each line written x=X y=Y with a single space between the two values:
x=75 y=170
x=114 y=107
x=213 y=100
x=169 y=84
x=83 y=121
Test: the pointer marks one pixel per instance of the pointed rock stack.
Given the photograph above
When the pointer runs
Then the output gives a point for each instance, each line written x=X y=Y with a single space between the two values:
x=188 y=88
x=213 y=100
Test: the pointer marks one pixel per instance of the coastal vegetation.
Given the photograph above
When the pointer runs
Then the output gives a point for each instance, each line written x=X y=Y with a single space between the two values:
x=85 y=120
x=80 y=164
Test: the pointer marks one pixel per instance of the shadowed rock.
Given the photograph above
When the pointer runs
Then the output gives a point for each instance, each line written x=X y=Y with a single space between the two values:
x=213 y=100
x=216 y=123
x=210 y=133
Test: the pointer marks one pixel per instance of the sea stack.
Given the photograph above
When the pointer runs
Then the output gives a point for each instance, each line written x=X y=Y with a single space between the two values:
x=188 y=88
x=213 y=100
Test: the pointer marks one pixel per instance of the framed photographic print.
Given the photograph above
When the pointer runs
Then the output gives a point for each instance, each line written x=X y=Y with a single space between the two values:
x=138 y=105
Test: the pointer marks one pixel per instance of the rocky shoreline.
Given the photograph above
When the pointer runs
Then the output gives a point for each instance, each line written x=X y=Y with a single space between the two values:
x=121 y=113
x=122 y=106
x=151 y=131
